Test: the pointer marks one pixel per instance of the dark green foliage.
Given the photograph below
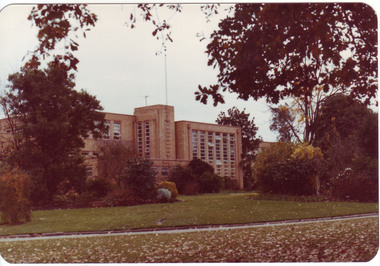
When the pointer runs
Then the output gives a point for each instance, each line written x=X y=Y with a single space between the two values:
x=210 y=182
x=348 y=136
x=99 y=186
x=139 y=177
x=250 y=143
x=51 y=119
x=294 y=177
x=197 y=177
x=355 y=184
x=274 y=51
x=198 y=167
x=230 y=183
x=185 y=180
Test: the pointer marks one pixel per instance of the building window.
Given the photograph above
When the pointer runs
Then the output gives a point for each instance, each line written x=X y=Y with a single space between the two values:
x=225 y=149
x=202 y=140
x=116 y=130
x=107 y=135
x=232 y=148
x=147 y=139
x=232 y=170
x=194 y=139
x=217 y=148
x=88 y=170
x=164 y=171
x=210 y=147
x=226 y=170
x=139 y=138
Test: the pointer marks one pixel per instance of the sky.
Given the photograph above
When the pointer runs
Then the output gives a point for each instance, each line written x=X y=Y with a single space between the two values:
x=120 y=65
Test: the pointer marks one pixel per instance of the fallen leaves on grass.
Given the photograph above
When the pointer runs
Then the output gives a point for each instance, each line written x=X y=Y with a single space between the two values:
x=339 y=241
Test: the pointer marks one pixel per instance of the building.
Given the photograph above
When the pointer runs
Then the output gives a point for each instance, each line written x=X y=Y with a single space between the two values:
x=155 y=134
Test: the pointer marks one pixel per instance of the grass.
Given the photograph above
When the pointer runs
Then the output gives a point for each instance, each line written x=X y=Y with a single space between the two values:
x=205 y=209
x=329 y=241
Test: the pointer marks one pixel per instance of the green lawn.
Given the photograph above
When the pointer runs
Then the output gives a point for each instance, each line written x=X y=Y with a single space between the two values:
x=191 y=210
x=329 y=241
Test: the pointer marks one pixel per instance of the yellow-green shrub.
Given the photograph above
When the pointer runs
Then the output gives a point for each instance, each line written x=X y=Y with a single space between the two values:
x=171 y=187
x=14 y=195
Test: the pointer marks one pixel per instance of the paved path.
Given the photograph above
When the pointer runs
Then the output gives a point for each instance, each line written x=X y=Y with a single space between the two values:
x=176 y=230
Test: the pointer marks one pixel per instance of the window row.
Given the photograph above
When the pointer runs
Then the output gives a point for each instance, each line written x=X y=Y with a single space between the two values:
x=143 y=139
x=215 y=147
x=219 y=146
x=113 y=131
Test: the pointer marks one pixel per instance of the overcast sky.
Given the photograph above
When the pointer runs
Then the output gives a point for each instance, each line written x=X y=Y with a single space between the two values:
x=120 y=67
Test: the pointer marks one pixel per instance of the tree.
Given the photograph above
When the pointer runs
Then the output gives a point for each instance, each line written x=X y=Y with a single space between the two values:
x=249 y=141
x=52 y=119
x=283 y=121
x=347 y=120
x=56 y=23
x=281 y=50
x=113 y=157
x=347 y=133
x=139 y=176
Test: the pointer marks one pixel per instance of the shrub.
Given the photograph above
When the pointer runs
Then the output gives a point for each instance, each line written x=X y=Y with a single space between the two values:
x=266 y=164
x=198 y=167
x=285 y=168
x=86 y=199
x=139 y=176
x=120 y=197
x=171 y=187
x=99 y=186
x=184 y=179
x=197 y=177
x=295 y=177
x=164 y=195
x=14 y=196
x=359 y=183
x=210 y=182
x=230 y=183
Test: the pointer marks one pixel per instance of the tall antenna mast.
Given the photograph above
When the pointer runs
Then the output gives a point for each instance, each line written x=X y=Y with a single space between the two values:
x=164 y=46
x=166 y=76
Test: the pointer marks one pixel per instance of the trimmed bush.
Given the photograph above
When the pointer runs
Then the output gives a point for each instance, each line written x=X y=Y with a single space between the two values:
x=184 y=179
x=210 y=182
x=171 y=187
x=14 y=195
x=198 y=167
x=164 y=195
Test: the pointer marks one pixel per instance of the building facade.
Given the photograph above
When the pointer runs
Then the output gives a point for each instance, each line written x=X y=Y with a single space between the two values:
x=154 y=134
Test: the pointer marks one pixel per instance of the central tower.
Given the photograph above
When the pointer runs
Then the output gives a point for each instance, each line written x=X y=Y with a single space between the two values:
x=156 y=132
